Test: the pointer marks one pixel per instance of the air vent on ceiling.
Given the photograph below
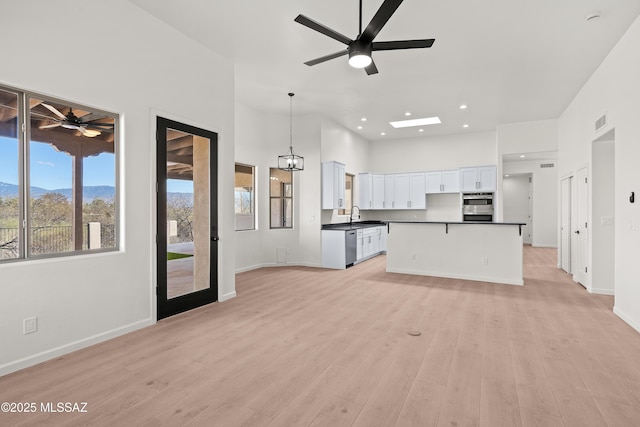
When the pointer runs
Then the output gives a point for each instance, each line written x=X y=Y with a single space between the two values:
x=547 y=165
x=601 y=122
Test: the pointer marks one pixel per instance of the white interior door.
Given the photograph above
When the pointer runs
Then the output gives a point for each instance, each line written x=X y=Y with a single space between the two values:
x=580 y=228
x=565 y=224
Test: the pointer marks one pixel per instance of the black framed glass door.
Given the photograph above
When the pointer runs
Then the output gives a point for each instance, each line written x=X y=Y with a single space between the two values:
x=187 y=234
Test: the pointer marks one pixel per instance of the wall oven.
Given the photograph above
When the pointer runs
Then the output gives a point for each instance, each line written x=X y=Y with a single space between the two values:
x=477 y=207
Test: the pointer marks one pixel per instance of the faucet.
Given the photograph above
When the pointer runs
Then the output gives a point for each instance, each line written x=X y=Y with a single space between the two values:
x=351 y=214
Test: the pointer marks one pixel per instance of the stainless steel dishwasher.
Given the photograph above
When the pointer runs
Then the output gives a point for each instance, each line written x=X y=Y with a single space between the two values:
x=351 y=239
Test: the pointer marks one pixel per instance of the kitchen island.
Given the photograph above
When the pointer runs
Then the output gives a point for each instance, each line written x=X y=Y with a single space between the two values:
x=481 y=251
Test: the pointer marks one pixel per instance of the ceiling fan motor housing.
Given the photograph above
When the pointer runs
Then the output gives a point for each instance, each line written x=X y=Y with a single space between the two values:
x=359 y=53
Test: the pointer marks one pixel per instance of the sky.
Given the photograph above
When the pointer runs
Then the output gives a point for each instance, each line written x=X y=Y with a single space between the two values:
x=52 y=170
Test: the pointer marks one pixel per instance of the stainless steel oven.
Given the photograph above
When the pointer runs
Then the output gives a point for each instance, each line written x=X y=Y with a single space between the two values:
x=477 y=207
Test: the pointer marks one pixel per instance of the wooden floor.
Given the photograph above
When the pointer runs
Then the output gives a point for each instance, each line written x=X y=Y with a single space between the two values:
x=314 y=347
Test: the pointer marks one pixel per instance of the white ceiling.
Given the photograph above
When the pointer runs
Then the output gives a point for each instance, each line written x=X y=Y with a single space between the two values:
x=508 y=60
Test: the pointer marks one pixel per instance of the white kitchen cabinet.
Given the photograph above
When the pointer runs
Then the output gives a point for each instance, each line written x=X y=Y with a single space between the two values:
x=409 y=191
x=389 y=192
x=480 y=179
x=359 y=242
x=370 y=191
x=417 y=191
x=378 y=191
x=382 y=239
x=443 y=181
x=333 y=185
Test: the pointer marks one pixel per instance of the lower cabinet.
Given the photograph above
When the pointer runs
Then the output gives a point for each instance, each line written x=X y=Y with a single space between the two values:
x=370 y=241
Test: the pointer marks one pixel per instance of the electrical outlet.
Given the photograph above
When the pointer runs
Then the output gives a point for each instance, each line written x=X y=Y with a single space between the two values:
x=413 y=257
x=485 y=261
x=30 y=325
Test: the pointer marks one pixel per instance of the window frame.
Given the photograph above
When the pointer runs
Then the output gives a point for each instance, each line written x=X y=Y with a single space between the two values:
x=253 y=198
x=282 y=198
x=24 y=175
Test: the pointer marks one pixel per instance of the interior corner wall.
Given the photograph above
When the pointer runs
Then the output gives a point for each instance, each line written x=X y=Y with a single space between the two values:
x=614 y=89
x=260 y=138
x=84 y=299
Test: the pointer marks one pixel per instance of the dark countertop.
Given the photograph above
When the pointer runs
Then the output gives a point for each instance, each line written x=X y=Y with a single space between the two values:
x=455 y=222
x=345 y=226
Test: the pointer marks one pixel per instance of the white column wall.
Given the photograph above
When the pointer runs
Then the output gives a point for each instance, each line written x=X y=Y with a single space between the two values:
x=260 y=138
x=139 y=71
x=613 y=89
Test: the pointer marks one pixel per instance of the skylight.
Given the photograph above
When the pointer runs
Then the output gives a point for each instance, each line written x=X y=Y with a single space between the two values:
x=416 y=122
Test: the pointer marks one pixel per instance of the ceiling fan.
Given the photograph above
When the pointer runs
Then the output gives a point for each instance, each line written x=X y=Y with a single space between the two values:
x=85 y=125
x=359 y=50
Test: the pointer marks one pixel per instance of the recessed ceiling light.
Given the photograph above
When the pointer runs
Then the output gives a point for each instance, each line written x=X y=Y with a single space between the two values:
x=364 y=119
x=407 y=113
x=416 y=122
x=506 y=176
x=522 y=156
x=382 y=133
x=359 y=127
x=420 y=130
x=463 y=107
x=465 y=125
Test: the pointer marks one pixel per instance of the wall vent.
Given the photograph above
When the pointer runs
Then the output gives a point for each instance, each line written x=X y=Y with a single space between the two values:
x=601 y=122
x=547 y=165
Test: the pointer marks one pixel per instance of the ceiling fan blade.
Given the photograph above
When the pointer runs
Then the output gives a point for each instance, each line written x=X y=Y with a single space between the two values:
x=402 y=44
x=55 y=125
x=301 y=19
x=55 y=111
x=379 y=20
x=371 y=68
x=327 y=57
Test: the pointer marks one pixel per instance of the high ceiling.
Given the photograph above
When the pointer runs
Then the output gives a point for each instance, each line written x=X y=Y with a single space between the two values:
x=508 y=60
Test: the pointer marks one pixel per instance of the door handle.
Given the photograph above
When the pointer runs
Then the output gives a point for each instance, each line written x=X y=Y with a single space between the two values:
x=577 y=231
x=215 y=238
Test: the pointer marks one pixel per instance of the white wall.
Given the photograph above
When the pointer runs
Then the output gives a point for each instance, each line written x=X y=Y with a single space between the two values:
x=603 y=208
x=515 y=197
x=260 y=138
x=433 y=152
x=615 y=89
x=141 y=67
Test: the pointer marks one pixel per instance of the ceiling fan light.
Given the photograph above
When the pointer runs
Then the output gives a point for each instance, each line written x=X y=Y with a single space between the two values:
x=359 y=60
x=91 y=133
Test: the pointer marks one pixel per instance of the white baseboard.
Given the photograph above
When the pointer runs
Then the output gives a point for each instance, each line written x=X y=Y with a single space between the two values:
x=460 y=276
x=602 y=291
x=635 y=325
x=266 y=265
x=227 y=296
x=26 y=362
x=544 y=246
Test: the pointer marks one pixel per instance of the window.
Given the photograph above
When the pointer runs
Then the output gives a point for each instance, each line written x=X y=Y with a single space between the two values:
x=348 y=195
x=245 y=197
x=69 y=157
x=281 y=198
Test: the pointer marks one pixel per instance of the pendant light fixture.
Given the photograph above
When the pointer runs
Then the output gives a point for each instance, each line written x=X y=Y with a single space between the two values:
x=290 y=161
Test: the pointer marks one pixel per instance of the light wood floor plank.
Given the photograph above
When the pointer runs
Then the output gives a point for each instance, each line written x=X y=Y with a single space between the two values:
x=304 y=346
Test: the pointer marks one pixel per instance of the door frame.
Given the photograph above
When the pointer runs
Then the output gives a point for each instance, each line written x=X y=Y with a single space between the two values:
x=169 y=307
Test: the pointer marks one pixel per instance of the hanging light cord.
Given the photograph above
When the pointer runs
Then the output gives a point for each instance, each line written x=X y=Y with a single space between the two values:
x=291 y=122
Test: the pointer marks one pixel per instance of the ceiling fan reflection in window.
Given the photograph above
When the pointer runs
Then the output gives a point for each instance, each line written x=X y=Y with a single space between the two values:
x=86 y=125
x=359 y=50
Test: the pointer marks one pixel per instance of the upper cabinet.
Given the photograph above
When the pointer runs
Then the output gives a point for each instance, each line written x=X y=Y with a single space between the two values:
x=370 y=191
x=333 y=186
x=443 y=181
x=480 y=179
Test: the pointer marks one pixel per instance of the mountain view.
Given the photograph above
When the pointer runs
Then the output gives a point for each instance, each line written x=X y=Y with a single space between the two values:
x=90 y=193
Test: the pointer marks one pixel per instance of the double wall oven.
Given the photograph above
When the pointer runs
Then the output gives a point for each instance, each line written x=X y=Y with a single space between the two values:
x=477 y=207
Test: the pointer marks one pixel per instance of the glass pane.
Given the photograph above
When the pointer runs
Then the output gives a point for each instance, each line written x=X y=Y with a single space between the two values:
x=188 y=235
x=276 y=213
x=288 y=212
x=244 y=197
x=9 y=177
x=72 y=180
